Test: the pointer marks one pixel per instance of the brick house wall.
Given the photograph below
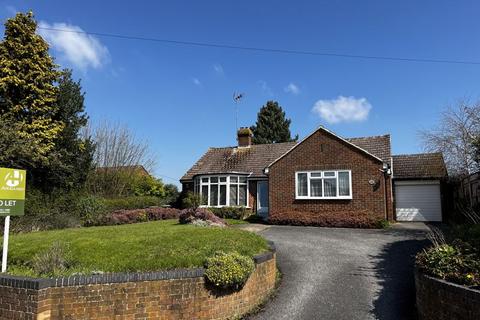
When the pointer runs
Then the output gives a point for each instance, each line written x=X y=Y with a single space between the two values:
x=324 y=151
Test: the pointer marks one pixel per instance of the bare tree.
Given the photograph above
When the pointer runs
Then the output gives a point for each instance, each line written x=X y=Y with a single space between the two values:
x=118 y=157
x=455 y=135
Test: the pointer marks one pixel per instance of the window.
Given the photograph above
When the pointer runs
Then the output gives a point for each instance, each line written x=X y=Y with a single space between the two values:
x=219 y=191
x=332 y=184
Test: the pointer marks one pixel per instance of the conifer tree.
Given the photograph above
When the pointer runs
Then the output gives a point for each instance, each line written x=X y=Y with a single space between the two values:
x=272 y=126
x=27 y=86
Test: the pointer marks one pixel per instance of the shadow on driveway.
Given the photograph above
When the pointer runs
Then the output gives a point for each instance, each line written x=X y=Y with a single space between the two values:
x=394 y=269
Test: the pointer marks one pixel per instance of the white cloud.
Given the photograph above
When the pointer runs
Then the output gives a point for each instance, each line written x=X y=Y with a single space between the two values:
x=265 y=88
x=218 y=68
x=292 y=88
x=343 y=109
x=196 y=82
x=80 y=49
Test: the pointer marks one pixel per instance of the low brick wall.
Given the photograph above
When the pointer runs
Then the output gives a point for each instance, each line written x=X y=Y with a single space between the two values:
x=176 y=294
x=441 y=300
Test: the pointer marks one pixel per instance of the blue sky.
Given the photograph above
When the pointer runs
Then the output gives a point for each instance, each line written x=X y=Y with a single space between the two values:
x=179 y=98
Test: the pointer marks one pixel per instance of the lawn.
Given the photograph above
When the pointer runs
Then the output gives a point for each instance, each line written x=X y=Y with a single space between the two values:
x=134 y=247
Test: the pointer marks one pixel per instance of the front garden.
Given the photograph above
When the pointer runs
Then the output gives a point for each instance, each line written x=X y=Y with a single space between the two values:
x=135 y=247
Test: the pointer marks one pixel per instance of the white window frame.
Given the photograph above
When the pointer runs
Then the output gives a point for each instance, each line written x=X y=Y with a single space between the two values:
x=322 y=177
x=227 y=183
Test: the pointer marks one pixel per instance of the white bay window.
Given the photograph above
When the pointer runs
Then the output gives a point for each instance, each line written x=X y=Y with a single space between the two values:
x=329 y=184
x=220 y=191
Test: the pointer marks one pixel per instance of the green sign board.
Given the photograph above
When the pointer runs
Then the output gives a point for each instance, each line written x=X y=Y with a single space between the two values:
x=12 y=192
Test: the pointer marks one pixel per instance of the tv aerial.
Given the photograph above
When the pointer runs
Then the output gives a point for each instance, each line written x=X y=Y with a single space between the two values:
x=237 y=97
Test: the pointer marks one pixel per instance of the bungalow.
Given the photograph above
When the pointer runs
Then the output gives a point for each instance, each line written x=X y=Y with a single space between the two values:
x=323 y=173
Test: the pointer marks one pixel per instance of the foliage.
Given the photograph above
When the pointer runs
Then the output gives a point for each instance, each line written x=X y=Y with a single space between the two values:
x=191 y=215
x=383 y=224
x=457 y=263
x=171 y=194
x=27 y=86
x=228 y=270
x=341 y=219
x=48 y=211
x=191 y=200
x=126 y=203
x=134 y=247
x=146 y=185
x=140 y=215
x=120 y=159
x=90 y=210
x=232 y=212
x=54 y=261
x=16 y=150
x=455 y=136
x=271 y=125
x=74 y=154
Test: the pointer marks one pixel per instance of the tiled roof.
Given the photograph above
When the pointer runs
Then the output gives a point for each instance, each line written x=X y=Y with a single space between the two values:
x=232 y=159
x=377 y=145
x=422 y=165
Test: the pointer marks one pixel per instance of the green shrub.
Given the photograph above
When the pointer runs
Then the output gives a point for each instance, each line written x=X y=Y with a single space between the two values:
x=126 y=203
x=383 y=224
x=240 y=213
x=456 y=263
x=228 y=270
x=190 y=200
x=54 y=261
x=91 y=209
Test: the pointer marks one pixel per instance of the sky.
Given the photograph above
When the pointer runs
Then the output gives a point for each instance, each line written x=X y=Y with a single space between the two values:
x=179 y=98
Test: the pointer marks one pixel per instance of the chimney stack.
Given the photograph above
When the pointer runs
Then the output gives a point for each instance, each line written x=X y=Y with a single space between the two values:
x=244 y=137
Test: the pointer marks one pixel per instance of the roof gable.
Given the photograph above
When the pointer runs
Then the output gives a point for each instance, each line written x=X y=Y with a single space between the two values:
x=348 y=142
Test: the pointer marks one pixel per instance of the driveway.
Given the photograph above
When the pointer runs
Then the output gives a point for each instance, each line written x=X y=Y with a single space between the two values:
x=331 y=273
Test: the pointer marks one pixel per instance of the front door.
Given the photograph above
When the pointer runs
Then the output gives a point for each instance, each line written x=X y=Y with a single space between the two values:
x=262 y=198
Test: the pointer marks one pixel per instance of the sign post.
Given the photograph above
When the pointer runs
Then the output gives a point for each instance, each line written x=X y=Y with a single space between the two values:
x=12 y=202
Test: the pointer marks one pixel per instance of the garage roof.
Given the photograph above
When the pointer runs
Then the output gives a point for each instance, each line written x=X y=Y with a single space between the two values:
x=419 y=166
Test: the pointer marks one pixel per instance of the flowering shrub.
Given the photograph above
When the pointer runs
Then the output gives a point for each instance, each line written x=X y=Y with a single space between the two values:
x=350 y=219
x=141 y=215
x=192 y=215
x=228 y=270
x=457 y=263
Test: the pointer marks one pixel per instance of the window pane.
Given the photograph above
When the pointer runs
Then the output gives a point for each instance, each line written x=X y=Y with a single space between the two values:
x=223 y=179
x=330 y=187
x=204 y=195
x=243 y=179
x=316 y=174
x=329 y=174
x=316 y=188
x=214 y=179
x=214 y=195
x=205 y=180
x=234 y=179
x=233 y=195
x=223 y=195
x=242 y=197
x=302 y=184
x=343 y=183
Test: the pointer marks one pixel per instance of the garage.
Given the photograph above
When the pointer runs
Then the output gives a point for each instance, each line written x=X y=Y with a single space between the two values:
x=418 y=200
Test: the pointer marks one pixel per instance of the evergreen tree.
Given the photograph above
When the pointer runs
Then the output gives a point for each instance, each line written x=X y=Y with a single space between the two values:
x=27 y=86
x=73 y=154
x=272 y=126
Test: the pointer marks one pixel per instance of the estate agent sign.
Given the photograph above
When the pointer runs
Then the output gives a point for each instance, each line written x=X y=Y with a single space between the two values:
x=12 y=202
x=12 y=192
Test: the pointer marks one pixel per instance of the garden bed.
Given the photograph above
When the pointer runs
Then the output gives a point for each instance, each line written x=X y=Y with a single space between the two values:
x=138 y=247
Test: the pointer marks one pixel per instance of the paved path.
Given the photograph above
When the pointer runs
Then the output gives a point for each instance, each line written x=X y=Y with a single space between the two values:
x=338 y=274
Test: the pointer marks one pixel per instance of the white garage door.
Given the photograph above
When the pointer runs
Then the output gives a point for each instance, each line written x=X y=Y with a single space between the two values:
x=418 y=201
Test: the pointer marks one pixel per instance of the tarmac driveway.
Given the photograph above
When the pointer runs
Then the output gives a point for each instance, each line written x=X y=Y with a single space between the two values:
x=331 y=273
